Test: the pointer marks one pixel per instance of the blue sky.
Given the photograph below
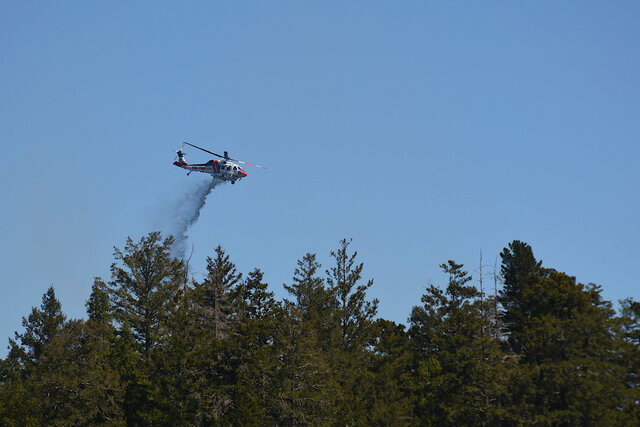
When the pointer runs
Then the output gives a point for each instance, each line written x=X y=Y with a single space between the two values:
x=426 y=131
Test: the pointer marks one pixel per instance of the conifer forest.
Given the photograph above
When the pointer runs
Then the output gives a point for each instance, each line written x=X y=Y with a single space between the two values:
x=158 y=347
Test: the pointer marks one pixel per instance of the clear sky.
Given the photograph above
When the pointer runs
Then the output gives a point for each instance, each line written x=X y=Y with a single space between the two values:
x=426 y=131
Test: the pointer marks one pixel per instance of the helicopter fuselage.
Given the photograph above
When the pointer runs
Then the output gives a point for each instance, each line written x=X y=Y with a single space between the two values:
x=220 y=169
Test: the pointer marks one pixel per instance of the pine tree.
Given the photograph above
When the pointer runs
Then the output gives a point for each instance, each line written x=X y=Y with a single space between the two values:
x=564 y=337
x=391 y=401
x=25 y=364
x=353 y=318
x=215 y=320
x=79 y=385
x=19 y=405
x=255 y=352
x=62 y=372
x=184 y=364
x=145 y=281
x=22 y=390
x=629 y=349
x=213 y=297
x=355 y=313
x=456 y=380
x=145 y=288
x=519 y=269
x=41 y=327
x=313 y=301
x=306 y=392
x=98 y=306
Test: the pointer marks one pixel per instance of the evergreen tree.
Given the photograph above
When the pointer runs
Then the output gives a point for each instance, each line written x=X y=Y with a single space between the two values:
x=391 y=401
x=61 y=372
x=214 y=296
x=564 y=336
x=25 y=365
x=19 y=405
x=184 y=365
x=314 y=303
x=306 y=392
x=145 y=281
x=79 y=387
x=519 y=269
x=41 y=327
x=255 y=352
x=21 y=388
x=145 y=287
x=215 y=320
x=354 y=313
x=98 y=306
x=629 y=342
x=456 y=364
x=353 y=319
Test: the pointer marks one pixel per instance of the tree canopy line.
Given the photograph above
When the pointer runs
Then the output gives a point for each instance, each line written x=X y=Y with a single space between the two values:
x=161 y=348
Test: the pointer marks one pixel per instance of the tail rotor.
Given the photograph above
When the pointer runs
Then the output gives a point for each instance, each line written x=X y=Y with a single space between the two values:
x=180 y=155
x=179 y=152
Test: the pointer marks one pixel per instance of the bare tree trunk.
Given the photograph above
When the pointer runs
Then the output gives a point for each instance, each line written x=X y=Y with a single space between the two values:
x=481 y=298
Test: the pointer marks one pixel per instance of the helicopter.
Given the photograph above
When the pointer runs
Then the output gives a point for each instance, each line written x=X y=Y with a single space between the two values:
x=224 y=169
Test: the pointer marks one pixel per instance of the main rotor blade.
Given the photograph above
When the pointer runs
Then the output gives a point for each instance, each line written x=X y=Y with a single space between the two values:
x=207 y=151
x=223 y=157
x=250 y=164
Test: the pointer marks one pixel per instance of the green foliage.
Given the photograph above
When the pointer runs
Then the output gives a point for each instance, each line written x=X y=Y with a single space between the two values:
x=352 y=325
x=254 y=352
x=213 y=297
x=304 y=382
x=629 y=351
x=41 y=327
x=457 y=381
x=98 y=306
x=19 y=406
x=60 y=374
x=145 y=282
x=311 y=297
x=79 y=386
x=391 y=400
x=354 y=313
x=159 y=349
x=519 y=268
x=215 y=320
x=567 y=343
x=144 y=291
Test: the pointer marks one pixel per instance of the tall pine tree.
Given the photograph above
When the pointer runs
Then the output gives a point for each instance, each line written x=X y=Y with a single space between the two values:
x=145 y=288
x=353 y=318
x=564 y=337
x=456 y=381
x=306 y=392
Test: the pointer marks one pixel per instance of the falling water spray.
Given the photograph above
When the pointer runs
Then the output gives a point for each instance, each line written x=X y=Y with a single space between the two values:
x=186 y=213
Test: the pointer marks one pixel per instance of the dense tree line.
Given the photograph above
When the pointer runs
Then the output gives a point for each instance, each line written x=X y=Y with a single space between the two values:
x=160 y=348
